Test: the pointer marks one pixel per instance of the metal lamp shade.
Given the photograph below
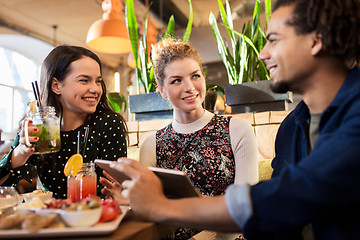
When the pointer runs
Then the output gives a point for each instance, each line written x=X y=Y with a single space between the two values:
x=109 y=36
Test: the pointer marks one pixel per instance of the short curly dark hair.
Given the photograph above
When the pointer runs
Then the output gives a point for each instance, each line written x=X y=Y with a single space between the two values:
x=336 y=21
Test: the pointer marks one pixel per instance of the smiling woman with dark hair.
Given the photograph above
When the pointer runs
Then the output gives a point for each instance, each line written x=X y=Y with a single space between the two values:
x=71 y=82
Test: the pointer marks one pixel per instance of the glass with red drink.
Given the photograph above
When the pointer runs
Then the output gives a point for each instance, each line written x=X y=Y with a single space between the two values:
x=83 y=183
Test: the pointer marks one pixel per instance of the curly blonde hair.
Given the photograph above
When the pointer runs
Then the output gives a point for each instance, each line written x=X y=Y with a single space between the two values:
x=168 y=50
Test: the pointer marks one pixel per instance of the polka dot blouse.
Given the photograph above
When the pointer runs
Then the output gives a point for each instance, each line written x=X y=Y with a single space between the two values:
x=106 y=140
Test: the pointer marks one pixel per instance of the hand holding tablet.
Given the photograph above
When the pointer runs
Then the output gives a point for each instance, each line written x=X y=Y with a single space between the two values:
x=176 y=184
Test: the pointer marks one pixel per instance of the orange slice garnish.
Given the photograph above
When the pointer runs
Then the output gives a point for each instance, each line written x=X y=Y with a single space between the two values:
x=73 y=165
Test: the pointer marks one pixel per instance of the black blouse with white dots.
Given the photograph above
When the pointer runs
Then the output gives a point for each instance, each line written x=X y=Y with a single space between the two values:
x=106 y=140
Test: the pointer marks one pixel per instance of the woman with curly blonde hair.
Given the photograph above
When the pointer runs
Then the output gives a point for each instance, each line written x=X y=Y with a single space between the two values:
x=214 y=151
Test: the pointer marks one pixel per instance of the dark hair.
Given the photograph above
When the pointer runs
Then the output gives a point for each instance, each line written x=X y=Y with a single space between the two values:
x=57 y=65
x=336 y=21
x=168 y=50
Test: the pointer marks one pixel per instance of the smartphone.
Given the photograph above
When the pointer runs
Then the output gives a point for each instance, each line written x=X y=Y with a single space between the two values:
x=176 y=184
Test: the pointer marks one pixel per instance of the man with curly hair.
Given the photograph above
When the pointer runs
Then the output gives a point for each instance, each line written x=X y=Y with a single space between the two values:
x=313 y=49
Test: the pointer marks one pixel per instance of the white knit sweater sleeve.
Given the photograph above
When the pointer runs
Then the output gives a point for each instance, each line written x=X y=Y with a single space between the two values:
x=243 y=144
x=148 y=151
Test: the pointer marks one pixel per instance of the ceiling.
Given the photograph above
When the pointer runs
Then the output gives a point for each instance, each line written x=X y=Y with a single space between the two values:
x=67 y=21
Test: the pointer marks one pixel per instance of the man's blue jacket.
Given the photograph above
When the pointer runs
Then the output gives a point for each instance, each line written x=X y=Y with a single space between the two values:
x=320 y=187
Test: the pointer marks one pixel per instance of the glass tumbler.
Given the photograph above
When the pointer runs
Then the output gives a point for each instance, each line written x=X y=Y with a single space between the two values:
x=83 y=183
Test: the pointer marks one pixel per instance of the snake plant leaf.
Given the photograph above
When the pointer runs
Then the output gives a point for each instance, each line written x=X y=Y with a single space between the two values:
x=224 y=16
x=257 y=12
x=142 y=55
x=241 y=60
x=144 y=36
x=230 y=24
x=250 y=43
x=255 y=26
x=170 y=31
x=143 y=66
x=187 y=33
x=132 y=27
x=267 y=11
x=220 y=43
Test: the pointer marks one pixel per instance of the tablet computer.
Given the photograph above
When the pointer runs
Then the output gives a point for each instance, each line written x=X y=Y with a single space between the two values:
x=176 y=184
x=105 y=164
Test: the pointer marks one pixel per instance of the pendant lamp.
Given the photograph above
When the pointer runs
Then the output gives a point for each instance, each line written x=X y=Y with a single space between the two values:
x=109 y=34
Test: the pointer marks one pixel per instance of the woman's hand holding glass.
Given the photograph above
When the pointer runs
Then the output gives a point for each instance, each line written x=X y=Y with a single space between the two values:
x=23 y=151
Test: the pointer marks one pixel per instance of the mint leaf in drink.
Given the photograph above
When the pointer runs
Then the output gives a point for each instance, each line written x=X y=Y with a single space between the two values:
x=44 y=134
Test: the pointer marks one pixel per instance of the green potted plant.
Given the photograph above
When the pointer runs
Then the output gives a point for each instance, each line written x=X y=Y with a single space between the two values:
x=117 y=101
x=245 y=92
x=149 y=105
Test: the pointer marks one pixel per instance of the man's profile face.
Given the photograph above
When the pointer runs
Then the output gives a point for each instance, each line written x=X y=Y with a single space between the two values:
x=286 y=54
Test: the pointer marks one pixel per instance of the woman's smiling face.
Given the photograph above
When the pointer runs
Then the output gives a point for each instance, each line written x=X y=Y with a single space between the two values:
x=81 y=89
x=184 y=85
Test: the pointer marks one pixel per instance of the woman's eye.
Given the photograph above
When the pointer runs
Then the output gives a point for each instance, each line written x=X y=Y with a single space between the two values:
x=99 y=81
x=196 y=76
x=83 y=80
x=175 y=81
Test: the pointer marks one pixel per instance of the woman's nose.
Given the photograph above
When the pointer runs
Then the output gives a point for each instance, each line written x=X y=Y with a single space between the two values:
x=189 y=86
x=94 y=87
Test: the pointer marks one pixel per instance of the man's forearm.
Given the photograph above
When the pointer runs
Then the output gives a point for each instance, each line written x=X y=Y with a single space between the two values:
x=197 y=213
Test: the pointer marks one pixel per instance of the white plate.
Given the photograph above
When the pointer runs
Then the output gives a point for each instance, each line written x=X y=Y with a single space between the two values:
x=97 y=229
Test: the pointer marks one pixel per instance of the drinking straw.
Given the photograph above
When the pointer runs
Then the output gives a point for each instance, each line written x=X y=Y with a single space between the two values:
x=78 y=143
x=35 y=94
x=38 y=93
x=85 y=138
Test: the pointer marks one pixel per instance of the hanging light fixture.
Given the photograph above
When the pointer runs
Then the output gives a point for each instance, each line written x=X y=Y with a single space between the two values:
x=109 y=34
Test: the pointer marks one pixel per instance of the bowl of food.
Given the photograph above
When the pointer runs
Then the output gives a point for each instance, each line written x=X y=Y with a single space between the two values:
x=40 y=193
x=80 y=215
x=34 y=204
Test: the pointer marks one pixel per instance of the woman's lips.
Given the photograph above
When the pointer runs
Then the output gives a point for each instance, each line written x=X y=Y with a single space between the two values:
x=90 y=100
x=190 y=98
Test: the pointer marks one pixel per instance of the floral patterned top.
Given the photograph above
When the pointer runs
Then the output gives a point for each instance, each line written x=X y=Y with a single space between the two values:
x=205 y=156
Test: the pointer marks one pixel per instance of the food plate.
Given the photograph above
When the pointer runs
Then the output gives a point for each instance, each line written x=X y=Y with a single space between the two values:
x=97 y=229
x=44 y=196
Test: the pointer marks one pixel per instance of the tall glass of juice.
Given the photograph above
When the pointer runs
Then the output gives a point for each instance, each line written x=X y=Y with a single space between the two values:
x=83 y=183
